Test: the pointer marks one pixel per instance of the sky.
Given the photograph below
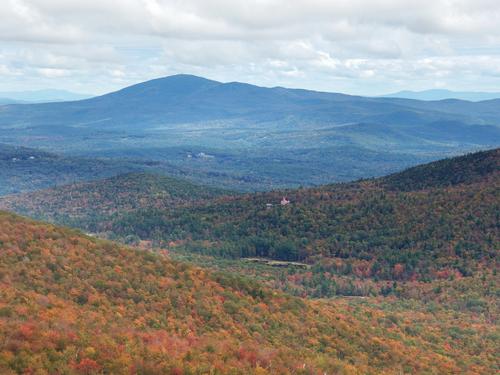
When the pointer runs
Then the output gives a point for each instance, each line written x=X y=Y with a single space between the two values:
x=364 y=47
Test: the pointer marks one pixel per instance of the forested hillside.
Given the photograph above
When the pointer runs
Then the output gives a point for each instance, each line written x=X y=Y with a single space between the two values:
x=77 y=305
x=468 y=169
x=92 y=205
x=447 y=228
x=424 y=224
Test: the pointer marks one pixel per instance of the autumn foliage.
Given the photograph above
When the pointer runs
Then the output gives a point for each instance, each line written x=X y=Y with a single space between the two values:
x=71 y=304
x=421 y=224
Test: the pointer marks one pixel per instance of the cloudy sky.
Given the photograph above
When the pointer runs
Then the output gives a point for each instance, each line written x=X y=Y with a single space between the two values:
x=354 y=46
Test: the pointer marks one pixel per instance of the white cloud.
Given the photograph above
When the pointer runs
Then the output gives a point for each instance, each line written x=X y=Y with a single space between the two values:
x=360 y=46
x=53 y=73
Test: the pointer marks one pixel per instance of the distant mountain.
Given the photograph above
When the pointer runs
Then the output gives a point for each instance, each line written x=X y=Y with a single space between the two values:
x=41 y=96
x=185 y=98
x=4 y=101
x=256 y=138
x=77 y=305
x=440 y=94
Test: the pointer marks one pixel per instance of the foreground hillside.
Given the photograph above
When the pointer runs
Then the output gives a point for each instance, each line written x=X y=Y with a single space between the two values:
x=76 y=305
x=91 y=205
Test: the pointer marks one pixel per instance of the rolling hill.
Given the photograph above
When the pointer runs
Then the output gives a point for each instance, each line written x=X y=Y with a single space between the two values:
x=260 y=138
x=420 y=224
x=468 y=169
x=77 y=305
x=92 y=205
x=25 y=169
x=416 y=225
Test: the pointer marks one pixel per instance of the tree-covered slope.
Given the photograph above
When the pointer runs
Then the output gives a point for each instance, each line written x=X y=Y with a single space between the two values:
x=426 y=223
x=449 y=226
x=467 y=169
x=77 y=305
x=90 y=205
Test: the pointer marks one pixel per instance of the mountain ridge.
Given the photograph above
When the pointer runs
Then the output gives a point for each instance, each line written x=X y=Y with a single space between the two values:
x=280 y=137
x=187 y=85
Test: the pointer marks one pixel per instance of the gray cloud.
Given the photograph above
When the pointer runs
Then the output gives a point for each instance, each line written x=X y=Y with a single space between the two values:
x=359 y=46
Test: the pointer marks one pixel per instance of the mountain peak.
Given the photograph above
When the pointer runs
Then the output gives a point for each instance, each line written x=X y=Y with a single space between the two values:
x=174 y=85
x=184 y=78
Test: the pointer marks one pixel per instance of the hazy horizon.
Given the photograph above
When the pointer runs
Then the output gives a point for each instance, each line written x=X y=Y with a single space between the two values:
x=49 y=89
